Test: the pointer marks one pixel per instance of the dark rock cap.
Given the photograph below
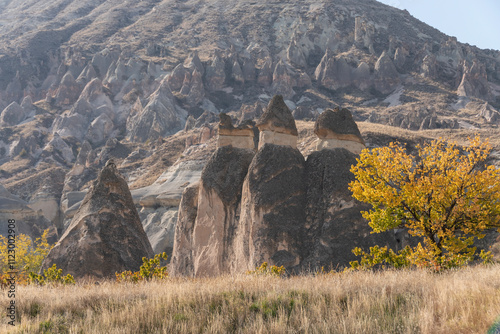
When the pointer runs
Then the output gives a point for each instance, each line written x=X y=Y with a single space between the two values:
x=225 y=121
x=337 y=124
x=277 y=117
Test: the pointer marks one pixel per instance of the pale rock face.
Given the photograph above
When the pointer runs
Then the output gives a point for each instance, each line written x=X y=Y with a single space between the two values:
x=208 y=250
x=59 y=146
x=246 y=142
x=330 y=144
x=364 y=32
x=295 y=55
x=272 y=210
x=70 y=125
x=28 y=221
x=106 y=235
x=176 y=78
x=13 y=114
x=159 y=225
x=282 y=81
x=47 y=205
x=237 y=73
x=193 y=63
x=276 y=138
x=361 y=77
x=197 y=91
x=429 y=67
x=265 y=76
x=240 y=137
x=216 y=76
x=333 y=72
x=160 y=117
x=400 y=58
x=386 y=74
x=100 y=129
x=182 y=254
x=167 y=189
x=475 y=82
x=68 y=91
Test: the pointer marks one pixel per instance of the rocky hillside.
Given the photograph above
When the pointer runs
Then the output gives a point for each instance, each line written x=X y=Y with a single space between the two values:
x=144 y=83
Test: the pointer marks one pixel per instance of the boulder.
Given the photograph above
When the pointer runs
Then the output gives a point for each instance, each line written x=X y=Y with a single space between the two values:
x=336 y=128
x=276 y=125
x=12 y=115
x=106 y=235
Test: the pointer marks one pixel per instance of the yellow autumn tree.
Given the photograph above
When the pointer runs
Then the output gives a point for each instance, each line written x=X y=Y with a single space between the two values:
x=441 y=194
x=29 y=255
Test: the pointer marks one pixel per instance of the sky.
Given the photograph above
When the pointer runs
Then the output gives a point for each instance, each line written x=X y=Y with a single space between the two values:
x=476 y=22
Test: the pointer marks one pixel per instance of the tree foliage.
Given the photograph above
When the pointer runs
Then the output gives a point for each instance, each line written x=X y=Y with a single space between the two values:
x=443 y=195
x=29 y=255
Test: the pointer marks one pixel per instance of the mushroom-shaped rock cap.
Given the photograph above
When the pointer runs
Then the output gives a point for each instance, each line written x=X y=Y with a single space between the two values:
x=277 y=117
x=225 y=121
x=226 y=127
x=337 y=124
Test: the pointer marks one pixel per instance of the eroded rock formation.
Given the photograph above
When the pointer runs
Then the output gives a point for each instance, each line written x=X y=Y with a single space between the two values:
x=276 y=125
x=105 y=235
x=337 y=129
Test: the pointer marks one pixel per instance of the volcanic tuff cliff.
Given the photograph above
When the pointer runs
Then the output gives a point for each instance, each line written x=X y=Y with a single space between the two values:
x=143 y=83
x=273 y=205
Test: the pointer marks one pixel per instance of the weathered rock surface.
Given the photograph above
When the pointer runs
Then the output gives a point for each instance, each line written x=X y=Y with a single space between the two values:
x=218 y=210
x=13 y=114
x=105 y=235
x=474 y=82
x=240 y=137
x=334 y=225
x=182 y=263
x=336 y=128
x=160 y=117
x=386 y=74
x=276 y=125
x=272 y=210
x=28 y=221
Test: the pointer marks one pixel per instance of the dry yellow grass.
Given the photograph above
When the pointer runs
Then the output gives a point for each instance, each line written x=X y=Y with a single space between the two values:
x=463 y=301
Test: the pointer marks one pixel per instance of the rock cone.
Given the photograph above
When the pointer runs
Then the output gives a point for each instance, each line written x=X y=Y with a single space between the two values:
x=105 y=235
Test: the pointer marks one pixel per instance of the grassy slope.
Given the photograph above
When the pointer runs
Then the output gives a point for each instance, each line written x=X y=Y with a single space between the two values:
x=464 y=301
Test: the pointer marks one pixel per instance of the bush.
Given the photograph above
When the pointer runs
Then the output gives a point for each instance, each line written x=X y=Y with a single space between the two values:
x=51 y=275
x=267 y=270
x=149 y=270
x=29 y=255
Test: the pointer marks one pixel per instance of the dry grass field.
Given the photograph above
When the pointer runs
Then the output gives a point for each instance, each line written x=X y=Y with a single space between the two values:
x=462 y=301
